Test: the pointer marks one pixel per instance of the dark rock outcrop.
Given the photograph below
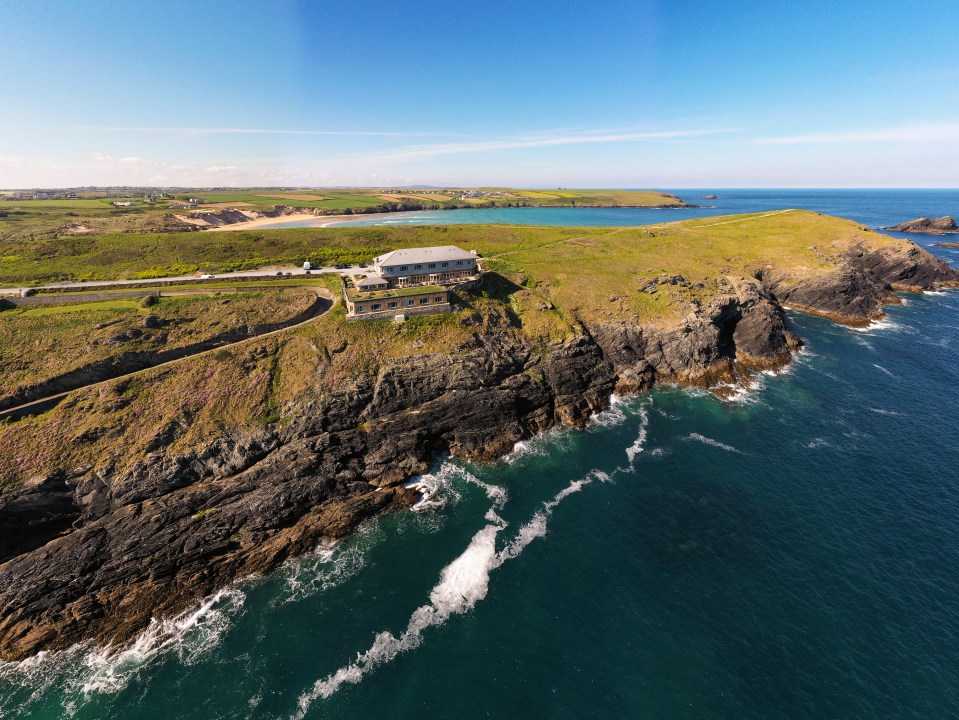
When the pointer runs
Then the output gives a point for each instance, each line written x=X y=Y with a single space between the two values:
x=867 y=279
x=98 y=553
x=929 y=226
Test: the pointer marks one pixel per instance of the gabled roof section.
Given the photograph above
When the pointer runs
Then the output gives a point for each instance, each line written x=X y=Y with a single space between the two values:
x=370 y=282
x=422 y=255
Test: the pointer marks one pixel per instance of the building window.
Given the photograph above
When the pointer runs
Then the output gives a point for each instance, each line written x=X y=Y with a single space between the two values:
x=360 y=308
x=459 y=262
x=438 y=299
x=376 y=306
x=446 y=264
x=424 y=301
x=403 y=268
x=392 y=304
x=432 y=265
x=417 y=267
x=410 y=303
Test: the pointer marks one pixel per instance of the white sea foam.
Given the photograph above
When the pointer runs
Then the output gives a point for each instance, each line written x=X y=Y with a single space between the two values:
x=330 y=565
x=633 y=451
x=740 y=393
x=715 y=443
x=881 y=411
x=462 y=584
x=818 y=442
x=614 y=415
x=880 y=367
x=438 y=489
x=85 y=671
x=874 y=325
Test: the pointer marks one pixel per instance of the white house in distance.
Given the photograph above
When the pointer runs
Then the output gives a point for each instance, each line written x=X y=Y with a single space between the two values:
x=413 y=281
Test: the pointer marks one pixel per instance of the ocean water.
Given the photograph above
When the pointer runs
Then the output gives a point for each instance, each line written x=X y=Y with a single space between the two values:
x=793 y=553
x=876 y=208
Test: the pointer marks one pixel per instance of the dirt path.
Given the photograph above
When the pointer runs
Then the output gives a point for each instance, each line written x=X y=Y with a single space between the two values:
x=325 y=300
x=739 y=220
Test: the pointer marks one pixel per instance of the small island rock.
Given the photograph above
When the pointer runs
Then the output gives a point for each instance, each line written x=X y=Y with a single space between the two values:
x=929 y=226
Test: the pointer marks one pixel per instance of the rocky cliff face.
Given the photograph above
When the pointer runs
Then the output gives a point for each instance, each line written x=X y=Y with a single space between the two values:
x=97 y=554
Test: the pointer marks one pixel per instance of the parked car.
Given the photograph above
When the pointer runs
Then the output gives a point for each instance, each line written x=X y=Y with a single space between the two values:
x=206 y=276
x=280 y=272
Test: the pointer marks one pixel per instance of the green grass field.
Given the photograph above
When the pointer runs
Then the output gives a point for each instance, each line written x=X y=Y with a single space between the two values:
x=578 y=267
x=547 y=283
x=39 y=343
x=119 y=305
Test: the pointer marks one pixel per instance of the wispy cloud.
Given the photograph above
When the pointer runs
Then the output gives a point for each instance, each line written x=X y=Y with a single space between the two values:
x=418 y=152
x=196 y=131
x=920 y=132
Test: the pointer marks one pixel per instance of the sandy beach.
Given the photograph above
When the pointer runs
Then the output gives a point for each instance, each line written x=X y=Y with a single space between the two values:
x=320 y=220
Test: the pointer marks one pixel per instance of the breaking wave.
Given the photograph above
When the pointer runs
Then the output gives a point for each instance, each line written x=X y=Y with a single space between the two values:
x=634 y=450
x=84 y=671
x=715 y=443
x=330 y=565
x=462 y=584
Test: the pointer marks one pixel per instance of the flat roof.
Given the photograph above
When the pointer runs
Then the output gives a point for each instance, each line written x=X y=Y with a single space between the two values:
x=422 y=255
x=357 y=296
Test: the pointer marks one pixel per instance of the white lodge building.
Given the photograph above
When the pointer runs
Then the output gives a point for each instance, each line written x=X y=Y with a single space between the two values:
x=433 y=265
x=414 y=281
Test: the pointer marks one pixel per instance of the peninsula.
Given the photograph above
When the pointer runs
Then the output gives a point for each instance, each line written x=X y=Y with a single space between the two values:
x=135 y=498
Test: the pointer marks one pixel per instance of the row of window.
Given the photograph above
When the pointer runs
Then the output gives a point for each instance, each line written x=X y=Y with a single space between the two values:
x=395 y=304
x=405 y=268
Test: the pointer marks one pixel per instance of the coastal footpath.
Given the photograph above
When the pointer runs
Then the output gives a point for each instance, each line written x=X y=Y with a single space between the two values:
x=134 y=500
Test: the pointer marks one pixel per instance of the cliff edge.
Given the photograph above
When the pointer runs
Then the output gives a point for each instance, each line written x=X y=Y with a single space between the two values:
x=135 y=500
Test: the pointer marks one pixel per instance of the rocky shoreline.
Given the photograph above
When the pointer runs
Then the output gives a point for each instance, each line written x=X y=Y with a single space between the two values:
x=95 y=554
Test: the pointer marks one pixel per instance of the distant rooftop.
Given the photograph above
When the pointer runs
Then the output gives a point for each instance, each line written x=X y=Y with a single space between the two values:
x=422 y=255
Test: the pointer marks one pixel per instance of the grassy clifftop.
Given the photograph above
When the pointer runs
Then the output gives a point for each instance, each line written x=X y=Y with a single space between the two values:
x=548 y=283
x=38 y=344
x=131 y=255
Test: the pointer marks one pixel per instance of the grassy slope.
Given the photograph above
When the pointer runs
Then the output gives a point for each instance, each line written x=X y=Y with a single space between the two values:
x=552 y=278
x=43 y=342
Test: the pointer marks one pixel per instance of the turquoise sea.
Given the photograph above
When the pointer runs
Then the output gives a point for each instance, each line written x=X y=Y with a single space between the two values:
x=793 y=553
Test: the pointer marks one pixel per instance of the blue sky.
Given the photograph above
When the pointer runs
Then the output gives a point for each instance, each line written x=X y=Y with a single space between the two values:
x=538 y=94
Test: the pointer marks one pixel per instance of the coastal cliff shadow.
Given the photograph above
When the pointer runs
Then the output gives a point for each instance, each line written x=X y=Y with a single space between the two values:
x=492 y=286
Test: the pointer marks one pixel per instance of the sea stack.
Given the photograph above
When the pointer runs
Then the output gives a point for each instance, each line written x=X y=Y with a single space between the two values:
x=710 y=197
x=929 y=226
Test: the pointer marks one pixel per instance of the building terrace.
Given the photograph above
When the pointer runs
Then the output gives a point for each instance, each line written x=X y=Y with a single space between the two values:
x=411 y=281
